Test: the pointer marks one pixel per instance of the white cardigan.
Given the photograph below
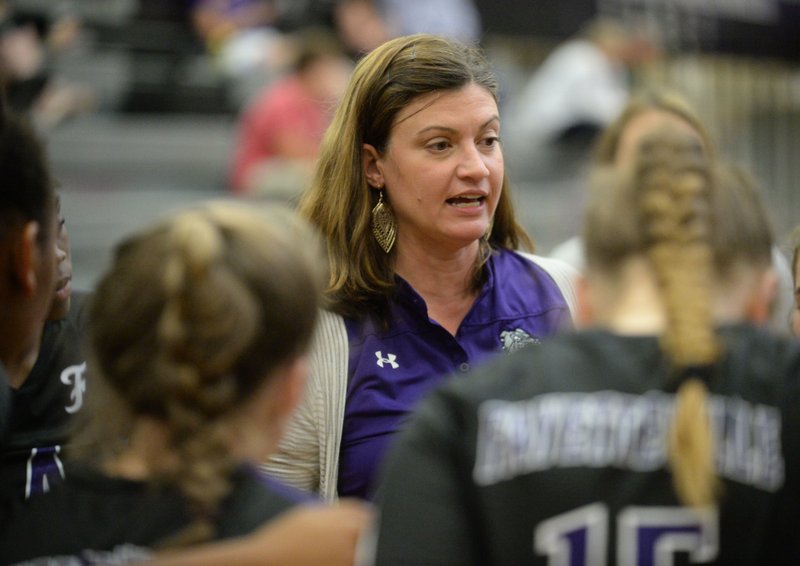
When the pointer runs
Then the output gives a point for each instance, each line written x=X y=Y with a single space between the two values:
x=308 y=454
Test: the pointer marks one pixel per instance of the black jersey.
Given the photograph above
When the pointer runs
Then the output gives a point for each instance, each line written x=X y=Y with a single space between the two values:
x=43 y=407
x=557 y=455
x=102 y=520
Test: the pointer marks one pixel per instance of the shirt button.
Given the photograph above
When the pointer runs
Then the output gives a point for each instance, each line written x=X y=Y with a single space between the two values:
x=464 y=366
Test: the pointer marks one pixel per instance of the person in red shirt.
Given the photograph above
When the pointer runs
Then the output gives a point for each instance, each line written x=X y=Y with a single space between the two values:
x=280 y=131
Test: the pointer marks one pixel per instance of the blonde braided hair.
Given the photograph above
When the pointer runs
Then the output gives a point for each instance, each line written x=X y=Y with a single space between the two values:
x=674 y=198
x=697 y=221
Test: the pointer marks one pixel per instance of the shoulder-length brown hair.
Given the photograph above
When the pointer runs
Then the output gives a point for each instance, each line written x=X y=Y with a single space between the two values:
x=339 y=199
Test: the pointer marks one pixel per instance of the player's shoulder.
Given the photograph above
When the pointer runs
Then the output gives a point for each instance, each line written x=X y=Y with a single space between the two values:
x=762 y=368
x=564 y=362
x=253 y=501
x=760 y=354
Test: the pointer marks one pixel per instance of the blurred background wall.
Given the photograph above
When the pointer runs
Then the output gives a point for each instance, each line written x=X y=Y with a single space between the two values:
x=158 y=123
x=736 y=61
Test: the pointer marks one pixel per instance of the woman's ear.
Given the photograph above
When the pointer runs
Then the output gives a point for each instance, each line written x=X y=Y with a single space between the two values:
x=371 y=160
x=26 y=259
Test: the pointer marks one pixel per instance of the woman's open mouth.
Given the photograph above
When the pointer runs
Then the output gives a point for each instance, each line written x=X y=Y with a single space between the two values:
x=467 y=201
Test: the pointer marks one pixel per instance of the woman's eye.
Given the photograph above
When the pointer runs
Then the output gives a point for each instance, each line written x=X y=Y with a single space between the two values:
x=439 y=145
x=491 y=141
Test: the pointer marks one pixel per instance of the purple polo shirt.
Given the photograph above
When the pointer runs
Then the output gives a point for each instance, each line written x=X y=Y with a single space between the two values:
x=390 y=371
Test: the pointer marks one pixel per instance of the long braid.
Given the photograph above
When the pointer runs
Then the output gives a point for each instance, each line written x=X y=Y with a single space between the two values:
x=197 y=290
x=674 y=200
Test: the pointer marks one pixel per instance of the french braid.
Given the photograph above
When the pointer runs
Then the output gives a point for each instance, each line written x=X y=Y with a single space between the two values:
x=193 y=317
x=675 y=202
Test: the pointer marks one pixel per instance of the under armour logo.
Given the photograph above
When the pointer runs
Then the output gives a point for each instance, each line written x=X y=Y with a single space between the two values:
x=73 y=375
x=389 y=359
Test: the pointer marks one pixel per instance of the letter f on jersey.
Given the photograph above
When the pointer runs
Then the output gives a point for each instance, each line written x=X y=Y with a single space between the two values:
x=74 y=376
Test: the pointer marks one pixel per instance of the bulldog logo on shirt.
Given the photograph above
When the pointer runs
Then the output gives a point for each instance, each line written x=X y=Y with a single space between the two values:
x=517 y=339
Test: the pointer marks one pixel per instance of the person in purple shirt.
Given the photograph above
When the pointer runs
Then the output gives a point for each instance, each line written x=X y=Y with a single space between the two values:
x=411 y=194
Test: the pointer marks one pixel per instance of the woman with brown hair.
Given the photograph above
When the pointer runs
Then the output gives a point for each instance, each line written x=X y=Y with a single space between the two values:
x=198 y=336
x=411 y=196
x=668 y=427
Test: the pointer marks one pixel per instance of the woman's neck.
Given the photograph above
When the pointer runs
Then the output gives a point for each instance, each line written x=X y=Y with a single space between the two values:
x=444 y=281
x=632 y=303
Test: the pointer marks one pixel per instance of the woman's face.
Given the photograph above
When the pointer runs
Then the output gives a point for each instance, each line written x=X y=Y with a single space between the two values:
x=442 y=169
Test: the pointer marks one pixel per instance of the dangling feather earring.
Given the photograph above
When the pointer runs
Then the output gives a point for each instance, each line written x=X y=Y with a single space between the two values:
x=383 y=225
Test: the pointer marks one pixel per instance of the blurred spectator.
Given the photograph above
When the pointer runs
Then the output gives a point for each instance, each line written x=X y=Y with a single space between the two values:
x=217 y=21
x=580 y=88
x=458 y=19
x=364 y=24
x=360 y=26
x=29 y=41
x=242 y=37
x=280 y=132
